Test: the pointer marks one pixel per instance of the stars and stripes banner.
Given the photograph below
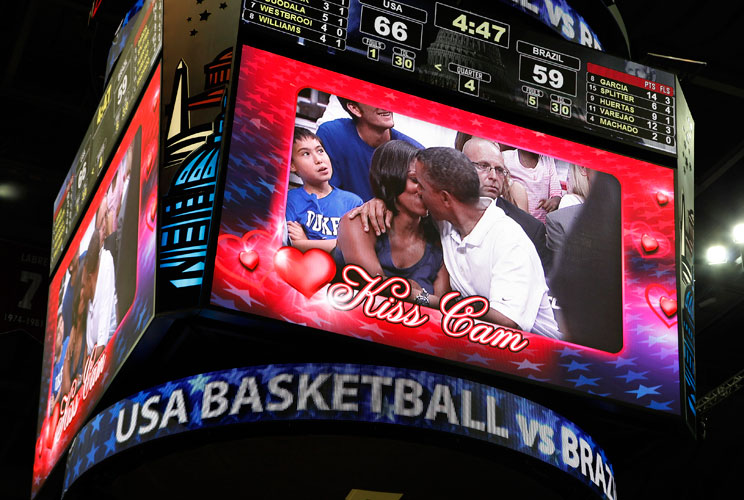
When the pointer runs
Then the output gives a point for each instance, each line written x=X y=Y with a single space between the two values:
x=343 y=392
x=255 y=273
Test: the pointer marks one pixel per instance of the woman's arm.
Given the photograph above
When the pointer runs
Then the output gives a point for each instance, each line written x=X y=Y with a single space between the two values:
x=442 y=282
x=519 y=194
x=71 y=355
x=441 y=287
x=358 y=246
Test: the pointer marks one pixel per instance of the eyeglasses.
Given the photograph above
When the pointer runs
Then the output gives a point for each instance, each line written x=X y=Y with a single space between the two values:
x=485 y=167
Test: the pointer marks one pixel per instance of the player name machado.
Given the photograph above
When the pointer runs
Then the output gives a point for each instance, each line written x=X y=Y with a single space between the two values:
x=369 y=397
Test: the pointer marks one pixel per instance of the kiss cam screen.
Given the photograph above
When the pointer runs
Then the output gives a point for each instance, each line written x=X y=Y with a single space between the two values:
x=380 y=215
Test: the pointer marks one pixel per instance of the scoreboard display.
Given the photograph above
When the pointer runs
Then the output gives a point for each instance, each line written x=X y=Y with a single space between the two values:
x=592 y=152
x=487 y=56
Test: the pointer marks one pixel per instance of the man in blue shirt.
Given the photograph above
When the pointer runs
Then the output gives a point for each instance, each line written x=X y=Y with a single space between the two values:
x=350 y=143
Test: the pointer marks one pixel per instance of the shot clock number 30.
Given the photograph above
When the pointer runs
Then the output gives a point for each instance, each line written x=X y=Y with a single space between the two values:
x=472 y=25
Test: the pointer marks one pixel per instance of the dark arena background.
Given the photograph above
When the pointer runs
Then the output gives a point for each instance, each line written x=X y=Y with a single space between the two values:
x=165 y=332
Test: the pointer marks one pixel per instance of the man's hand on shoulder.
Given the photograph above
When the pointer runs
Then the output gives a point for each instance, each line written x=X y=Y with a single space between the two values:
x=374 y=213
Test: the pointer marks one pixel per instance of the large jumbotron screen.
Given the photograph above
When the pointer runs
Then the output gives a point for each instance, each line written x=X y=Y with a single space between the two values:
x=588 y=305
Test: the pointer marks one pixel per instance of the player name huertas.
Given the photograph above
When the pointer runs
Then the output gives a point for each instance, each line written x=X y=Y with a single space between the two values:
x=617 y=105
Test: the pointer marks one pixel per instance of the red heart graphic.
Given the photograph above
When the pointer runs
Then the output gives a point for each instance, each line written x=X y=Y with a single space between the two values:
x=307 y=273
x=44 y=435
x=151 y=211
x=669 y=306
x=249 y=259
x=655 y=295
x=662 y=198
x=150 y=157
x=640 y=231
x=155 y=101
x=40 y=444
x=649 y=243
x=52 y=428
x=228 y=262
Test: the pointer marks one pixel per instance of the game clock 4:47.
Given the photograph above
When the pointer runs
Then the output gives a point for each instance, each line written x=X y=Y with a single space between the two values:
x=472 y=25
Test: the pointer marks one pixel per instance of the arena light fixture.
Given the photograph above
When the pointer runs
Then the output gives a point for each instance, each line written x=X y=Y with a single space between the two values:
x=738 y=233
x=717 y=254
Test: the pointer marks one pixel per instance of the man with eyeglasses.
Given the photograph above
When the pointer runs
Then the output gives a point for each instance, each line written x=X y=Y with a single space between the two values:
x=489 y=163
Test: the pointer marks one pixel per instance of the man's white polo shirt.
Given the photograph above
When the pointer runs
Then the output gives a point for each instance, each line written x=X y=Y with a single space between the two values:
x=499 y=262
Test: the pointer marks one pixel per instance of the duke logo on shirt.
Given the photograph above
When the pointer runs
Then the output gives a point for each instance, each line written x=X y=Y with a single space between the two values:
x=327 y=226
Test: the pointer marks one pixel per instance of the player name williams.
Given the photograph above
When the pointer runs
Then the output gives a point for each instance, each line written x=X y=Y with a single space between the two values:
x=275 y=23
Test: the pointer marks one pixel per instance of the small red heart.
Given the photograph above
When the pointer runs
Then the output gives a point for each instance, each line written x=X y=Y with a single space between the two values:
x=39 y=444
x=649 y=243
x=155 y=101
x=249 y=259
x=150 y=157
x=669 y=306
x=657 y=298
x=662 y=198
x=307 y=273
x=640 y=231
x=52 y=426
x=152 y=212
x=229 y=248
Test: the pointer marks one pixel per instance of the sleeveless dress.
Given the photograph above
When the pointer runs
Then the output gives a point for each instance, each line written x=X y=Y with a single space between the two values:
x=424 y=272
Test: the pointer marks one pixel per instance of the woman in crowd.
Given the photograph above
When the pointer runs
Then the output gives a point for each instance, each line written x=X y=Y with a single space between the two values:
x=410 y=248
x=539 y=175
x=577 y=187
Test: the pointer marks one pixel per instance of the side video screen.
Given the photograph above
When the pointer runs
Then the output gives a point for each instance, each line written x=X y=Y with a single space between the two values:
x=101 y=297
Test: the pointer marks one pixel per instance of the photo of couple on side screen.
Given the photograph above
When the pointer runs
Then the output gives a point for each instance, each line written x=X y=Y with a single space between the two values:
x=98 y=286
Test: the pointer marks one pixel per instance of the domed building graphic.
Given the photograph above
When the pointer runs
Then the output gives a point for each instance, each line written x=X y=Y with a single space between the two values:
x=192 y=158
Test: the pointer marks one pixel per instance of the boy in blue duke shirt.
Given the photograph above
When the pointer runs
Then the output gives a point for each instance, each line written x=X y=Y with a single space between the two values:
x=314 y=210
